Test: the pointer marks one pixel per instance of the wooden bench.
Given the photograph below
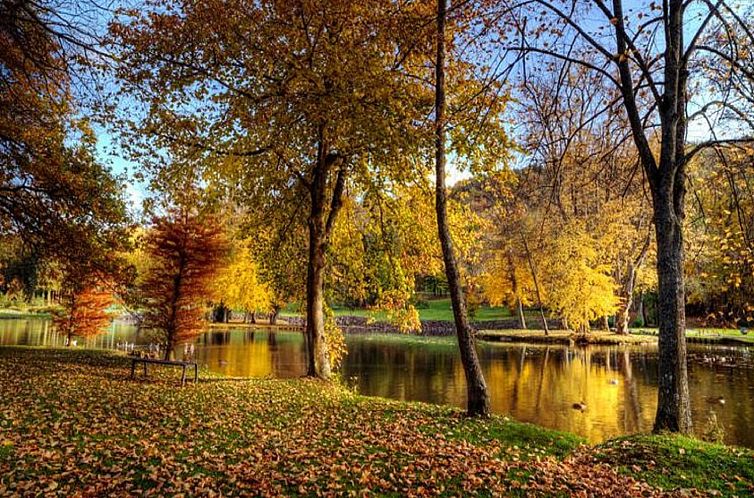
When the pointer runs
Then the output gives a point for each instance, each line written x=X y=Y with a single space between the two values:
x=182 y=364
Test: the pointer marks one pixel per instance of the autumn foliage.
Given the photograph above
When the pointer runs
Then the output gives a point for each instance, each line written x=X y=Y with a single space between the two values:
x=84 y=312
x=186 y=249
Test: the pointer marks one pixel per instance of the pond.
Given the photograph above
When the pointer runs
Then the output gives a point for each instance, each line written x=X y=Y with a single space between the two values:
x=537 y=384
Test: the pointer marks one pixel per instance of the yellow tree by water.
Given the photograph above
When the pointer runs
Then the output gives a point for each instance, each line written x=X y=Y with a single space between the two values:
x=580 y=288
x=239 y=285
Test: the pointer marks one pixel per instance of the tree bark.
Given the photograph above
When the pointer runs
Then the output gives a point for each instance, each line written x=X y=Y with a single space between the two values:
x=274 y=315
x=319 y=363
x=478 y=401
x=320 y=226
x=626 y=300
x=170 y=330
x=642 y=310
x=673 y=404
x=668 y=196
x=667 y=181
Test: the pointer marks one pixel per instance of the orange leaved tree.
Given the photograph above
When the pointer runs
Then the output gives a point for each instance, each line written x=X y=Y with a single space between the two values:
x=186 y=249
x=84 y=311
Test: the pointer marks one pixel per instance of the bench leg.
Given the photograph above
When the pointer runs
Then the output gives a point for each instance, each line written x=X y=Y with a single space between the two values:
x=183 y=376
x=145 y=369
x=196 y=373
x=133 y=368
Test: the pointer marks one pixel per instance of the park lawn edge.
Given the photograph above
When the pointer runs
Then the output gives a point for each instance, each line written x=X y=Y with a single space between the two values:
x=668 y=462
x=636 y=337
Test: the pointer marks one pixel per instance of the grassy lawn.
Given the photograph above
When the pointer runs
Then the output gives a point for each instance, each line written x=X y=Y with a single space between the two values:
x=72 y=423
x=436 y=309
x=8 y=313
x=637 y=336
x=681 y=462
x=706 y=334
x=562 y=337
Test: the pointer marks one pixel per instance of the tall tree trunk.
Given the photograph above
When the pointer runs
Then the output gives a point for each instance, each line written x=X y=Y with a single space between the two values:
x=319 y=363
x=626 y=300
x=253 y=316
x=668 y=199
x=320 y=226
x=478 y=401
x=642 y=310
x=274 y=315
x=673 y=404
x=170 y=330
x=667 y=180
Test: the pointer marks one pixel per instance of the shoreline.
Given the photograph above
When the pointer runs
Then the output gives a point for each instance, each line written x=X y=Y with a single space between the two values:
x=360 y=326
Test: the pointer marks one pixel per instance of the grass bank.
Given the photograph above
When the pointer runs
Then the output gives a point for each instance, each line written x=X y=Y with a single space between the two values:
x=23 y=315
x=727 y=337
x=434 y=309
x=72 y=423
x=681 y=462
x=562 y=337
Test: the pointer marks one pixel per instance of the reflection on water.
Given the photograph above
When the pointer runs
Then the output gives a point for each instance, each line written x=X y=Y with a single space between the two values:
x=536 y=384
x=253 y=353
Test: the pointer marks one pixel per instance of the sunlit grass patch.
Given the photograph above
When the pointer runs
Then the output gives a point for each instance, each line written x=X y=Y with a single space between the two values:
x=672 y=462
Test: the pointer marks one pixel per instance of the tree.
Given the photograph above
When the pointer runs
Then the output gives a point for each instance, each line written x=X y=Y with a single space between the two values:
x=511 y=275
x=52 y=189
x=585 y=168
x=291 y=100
x=239 y=286
x=385 y=241
x=508 y=281
x=477 y=396
x=579 y=288
x=653 y=84
x=84 y=312
x=721 y=267
x=186 y=249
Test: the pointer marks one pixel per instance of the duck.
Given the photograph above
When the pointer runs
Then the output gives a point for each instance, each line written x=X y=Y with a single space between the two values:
x=581 y=406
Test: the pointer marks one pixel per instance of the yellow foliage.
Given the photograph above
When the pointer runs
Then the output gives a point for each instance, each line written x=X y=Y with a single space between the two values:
x=239 y=286
x=335 y=340
x=580 y=289
x=400 y=312
x=508 y=281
